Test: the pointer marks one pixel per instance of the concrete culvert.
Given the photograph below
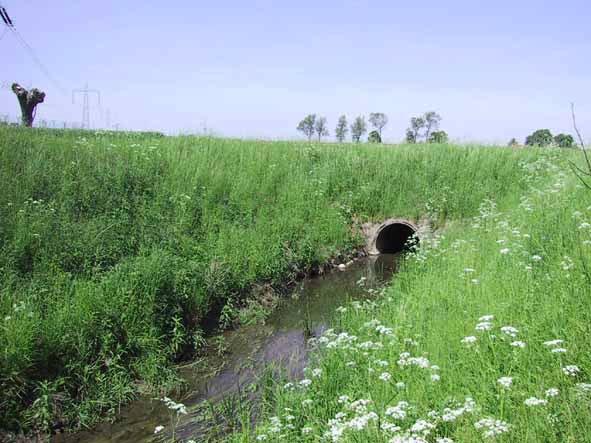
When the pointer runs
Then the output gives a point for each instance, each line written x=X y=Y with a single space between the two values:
x=395 y=236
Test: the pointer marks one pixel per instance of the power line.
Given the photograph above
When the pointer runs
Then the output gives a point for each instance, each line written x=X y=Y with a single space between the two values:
x=10 y=27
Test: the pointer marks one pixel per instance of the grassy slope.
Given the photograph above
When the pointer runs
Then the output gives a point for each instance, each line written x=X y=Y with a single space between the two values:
x=528 y=265
x=114 y=248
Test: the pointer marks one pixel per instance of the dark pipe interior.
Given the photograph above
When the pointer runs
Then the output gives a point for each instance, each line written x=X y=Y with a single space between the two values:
x=394 y=238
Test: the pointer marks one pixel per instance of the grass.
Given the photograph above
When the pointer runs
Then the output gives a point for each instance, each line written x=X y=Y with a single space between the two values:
x=462 y=346
x=118 y=250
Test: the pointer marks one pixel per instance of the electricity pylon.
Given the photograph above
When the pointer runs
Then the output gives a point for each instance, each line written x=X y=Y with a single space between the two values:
x=86 y=103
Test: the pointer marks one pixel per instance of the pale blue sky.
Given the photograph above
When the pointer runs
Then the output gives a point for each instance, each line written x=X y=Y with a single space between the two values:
x=493 y=70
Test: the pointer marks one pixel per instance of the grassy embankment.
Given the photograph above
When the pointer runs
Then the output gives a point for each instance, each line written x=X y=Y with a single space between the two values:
x=484 y=335
x=115 y=250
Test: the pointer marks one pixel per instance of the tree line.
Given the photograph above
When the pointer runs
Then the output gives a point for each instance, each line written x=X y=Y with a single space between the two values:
x=422 y=128
x=543 y=137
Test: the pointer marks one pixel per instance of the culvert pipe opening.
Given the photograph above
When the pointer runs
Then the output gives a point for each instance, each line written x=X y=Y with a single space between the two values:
x=395 y=237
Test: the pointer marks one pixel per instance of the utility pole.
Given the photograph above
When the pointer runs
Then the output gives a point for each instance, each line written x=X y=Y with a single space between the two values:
x=86 y=103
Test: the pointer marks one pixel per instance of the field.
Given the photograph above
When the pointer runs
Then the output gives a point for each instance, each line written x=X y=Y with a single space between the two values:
x=120 y=253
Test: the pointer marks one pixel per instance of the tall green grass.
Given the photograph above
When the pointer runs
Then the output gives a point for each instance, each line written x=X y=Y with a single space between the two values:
x=116 y=250
x=462 y=347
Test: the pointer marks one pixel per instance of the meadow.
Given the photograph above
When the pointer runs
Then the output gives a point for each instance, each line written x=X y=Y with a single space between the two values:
x=483 y=336
x=120 y=253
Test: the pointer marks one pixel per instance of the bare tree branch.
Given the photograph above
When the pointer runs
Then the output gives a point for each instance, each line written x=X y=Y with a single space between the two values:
x=574 y=167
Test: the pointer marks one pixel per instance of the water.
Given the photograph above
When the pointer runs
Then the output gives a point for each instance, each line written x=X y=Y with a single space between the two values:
x=280 y=341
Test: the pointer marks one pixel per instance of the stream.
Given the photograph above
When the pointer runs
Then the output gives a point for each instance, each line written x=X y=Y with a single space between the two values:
x=249 y=350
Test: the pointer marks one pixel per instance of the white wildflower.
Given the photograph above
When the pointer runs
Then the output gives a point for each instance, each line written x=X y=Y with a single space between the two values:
x=510 y=331
x=422 y=427
x=571 y=370
x=484 y=326
x=552 y=392
x=469 y=340
x=492 y=427
x=505 y=382
x=553 y=343
x=389 y=427
x=533 y=401
x=397 y=412
x=385 y=376
x=305 y=382
x=518 y=344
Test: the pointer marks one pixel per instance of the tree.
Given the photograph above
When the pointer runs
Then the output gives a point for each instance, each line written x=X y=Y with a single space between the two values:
x=564 y=140
x=28 y=101
x=414 y=132
x=438 y=137
x=374 y=137
x=541 y=137
x=341 y=129
x=358 y=128
x=513 y=143
x=378 y=120
x=308 y=126
x=432 y=120
x=411 y=137
x=321 y=127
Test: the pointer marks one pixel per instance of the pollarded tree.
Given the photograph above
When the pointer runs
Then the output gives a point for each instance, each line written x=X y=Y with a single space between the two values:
x=438 y=137
x=321 y=127
x=564 y=141
x=28 y=101
x=432 y=120
x=308 y=126
x=341 y=129
x=358 y=128
x=541 y=137
x=378 y=120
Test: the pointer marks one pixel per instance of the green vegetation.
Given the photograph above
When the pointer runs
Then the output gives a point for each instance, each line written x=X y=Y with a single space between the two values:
x=374 y=137
x=483 y=335
x=378 y=120
x=341 y=129
x=438 y=137
x=117 y=251
x=541 y=137
x=358 y=128
x=426 y=126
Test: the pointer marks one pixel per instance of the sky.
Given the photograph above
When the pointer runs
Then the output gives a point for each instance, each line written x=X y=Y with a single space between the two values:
x=493 y=70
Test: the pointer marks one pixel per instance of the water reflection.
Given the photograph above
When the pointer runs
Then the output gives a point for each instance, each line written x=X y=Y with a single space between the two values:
x=280 y=341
